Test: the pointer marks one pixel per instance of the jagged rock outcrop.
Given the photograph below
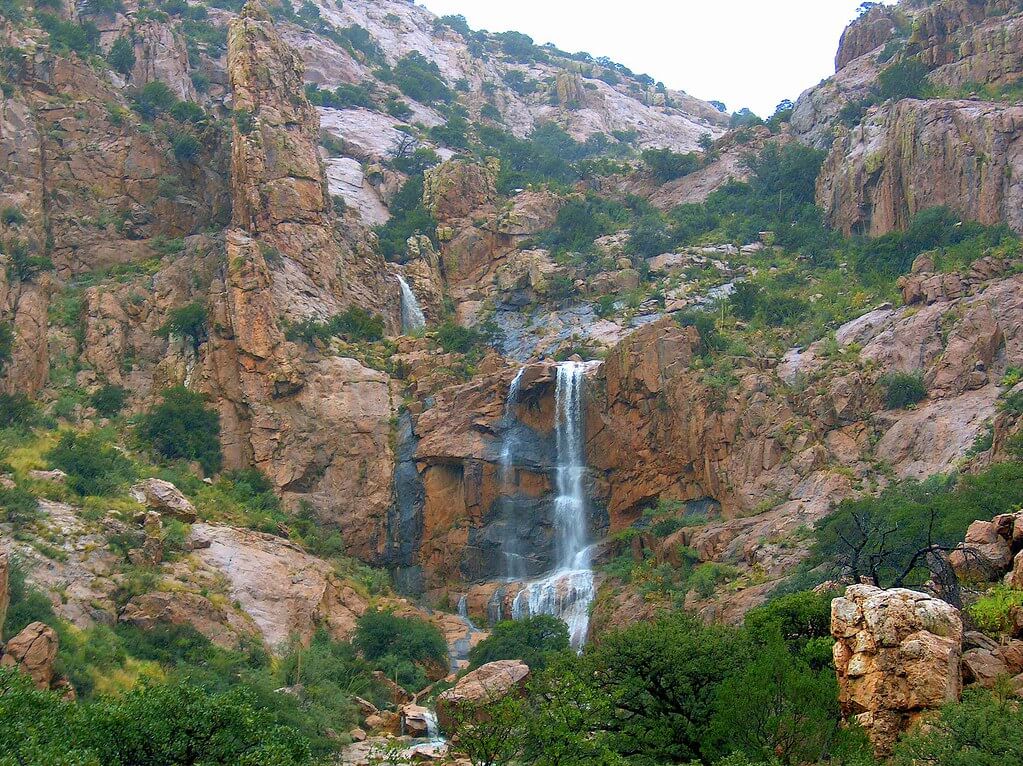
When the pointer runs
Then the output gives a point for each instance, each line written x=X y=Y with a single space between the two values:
x=456 y=188
x=474 y=691
x=867 y=33
x=912 y=155
x=897 y=655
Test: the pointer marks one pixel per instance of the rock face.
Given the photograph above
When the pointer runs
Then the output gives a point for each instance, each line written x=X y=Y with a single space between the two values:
x=912 y=155
x=869 y=32
x=33 y=651
x=897 y=655
x=488 y=683
x=286 y=592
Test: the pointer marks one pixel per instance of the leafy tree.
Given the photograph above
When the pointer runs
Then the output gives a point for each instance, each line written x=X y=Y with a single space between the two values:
x=778 y=707
x=68 y=37
x=649 y=237
x=662 y=679
x=400 y=646
x=182 y=427
x=802 y=619
x=529 y=640
x=122 y=55
x=93 y=465
x=408 y=217
x=17 y=411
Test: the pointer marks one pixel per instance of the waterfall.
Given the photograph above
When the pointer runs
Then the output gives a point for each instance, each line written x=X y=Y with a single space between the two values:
x=568 y=591
x=412 y=317
x=514 y=567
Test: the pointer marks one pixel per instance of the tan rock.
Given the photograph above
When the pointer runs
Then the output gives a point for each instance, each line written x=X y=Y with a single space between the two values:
x=985 y=554
x=897 y=655
x=164 y=498
x=417 y=721
x=456 y=188
x=33 y=651
x=488 y=683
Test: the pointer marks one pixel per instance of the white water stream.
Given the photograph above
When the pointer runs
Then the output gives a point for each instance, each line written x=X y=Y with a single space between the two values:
x=568 y=591
x=412 y=317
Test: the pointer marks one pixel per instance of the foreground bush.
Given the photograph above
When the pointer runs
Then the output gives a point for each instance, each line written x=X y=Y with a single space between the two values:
x=529 y=640
x=402 y=647
x=174 y=724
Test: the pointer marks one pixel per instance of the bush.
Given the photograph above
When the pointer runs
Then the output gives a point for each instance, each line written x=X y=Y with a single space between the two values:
x=529 y=640
x=906 y=79
x=408 y=217
x=68 y=37
x=6 y=344
x=154 y=99
x=456 y=339
x=420 y=79
x=27 y=604
x=18 y=506
x=903 y=389
x=992 y=611
x=981 y=730
x=24 y=264
x=666 y=165
x=189 y=321
x=122 y=55
x=392 y=642
x=185 y=147
x=93 y=465
x=582 y=221
x=109 y=400
x=11 y=216
x=354 y=324
x=17 y=411
x=183 y=427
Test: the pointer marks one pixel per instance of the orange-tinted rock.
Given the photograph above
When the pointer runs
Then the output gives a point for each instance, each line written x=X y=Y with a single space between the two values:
x=33 y=651
x=474 y=691
x=897 y=655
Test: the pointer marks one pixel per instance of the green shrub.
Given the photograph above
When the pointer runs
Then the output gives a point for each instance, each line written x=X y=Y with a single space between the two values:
x=18 y=506
x=454 y=338
x=906 y=79
x=185 y=147
x=182 y=427
x=93 y=465
x=903 y=389
x=11 y=216
x=154 y=99
x=396 y=644
x=109 y=400
x=408 y=217
x=122 y=55
x=6 y=344
x=420 y=79
x=705 y=325
x=981 y=730
x=581 y=221
x=17 y=411
x=666 y=165
x=992 y=611
x=24 y=264
x=529 y=640
x=27 y=603
x=68 y=37
x=189 y=321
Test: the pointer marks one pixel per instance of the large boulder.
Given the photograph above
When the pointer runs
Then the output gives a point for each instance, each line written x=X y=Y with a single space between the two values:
x=897 y=655
x=985 y=554
x=164 y=498
x=474 y=691
x=33 y=650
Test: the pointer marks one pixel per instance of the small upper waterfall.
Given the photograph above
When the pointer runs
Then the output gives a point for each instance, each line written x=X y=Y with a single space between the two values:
x=568 y=591
x=412 y=317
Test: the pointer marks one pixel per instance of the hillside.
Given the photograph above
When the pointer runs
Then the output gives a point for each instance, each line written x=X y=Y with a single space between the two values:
x=358 y=368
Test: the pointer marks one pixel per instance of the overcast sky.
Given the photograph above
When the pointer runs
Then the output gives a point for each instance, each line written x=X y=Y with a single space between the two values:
x=744 y=52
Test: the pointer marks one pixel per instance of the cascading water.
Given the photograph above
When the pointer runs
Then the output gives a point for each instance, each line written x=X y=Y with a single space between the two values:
x=513 y=561
x=568 y=591
x=412 y=317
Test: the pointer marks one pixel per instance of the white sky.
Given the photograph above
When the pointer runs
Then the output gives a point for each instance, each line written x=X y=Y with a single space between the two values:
x=744 y=52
